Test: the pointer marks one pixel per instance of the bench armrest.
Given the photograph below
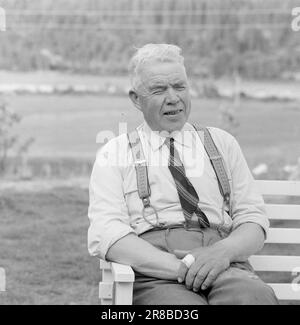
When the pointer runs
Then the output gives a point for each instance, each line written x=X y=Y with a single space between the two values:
x=117 y=284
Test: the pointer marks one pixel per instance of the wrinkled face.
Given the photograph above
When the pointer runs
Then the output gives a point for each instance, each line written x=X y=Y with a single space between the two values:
x=163 y=95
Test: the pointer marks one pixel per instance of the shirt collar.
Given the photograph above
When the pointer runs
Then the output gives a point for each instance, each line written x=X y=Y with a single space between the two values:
x=156 y=139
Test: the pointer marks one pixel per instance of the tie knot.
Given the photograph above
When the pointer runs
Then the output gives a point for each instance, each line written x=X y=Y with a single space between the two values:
x=169 y=142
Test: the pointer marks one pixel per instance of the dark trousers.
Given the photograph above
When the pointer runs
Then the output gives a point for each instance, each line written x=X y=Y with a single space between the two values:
x=235 y=286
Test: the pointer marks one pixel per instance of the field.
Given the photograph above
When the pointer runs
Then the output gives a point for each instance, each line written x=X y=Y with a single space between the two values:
x=66 y=126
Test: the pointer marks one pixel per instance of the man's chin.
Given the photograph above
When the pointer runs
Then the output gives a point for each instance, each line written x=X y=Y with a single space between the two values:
x=171 y=127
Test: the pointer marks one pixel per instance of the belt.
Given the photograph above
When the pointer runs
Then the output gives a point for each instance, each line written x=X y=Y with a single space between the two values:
x=193 y=225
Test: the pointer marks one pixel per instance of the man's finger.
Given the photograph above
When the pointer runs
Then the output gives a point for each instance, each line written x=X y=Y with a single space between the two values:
x=210 y=279
x=192 y=272
x=182 y=272
x=201 y=277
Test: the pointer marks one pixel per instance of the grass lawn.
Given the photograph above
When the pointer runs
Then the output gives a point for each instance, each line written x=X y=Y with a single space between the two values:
x=67 y=125
x=44 y=248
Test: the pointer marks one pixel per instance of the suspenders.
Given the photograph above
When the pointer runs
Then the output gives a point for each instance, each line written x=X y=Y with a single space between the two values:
x=141 y=169
x=140 y=163
x=217 y=163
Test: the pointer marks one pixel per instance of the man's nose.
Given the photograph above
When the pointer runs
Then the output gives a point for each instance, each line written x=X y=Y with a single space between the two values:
x=172 y=97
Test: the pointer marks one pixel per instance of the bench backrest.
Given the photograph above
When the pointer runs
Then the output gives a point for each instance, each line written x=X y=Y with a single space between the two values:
x=271 y=190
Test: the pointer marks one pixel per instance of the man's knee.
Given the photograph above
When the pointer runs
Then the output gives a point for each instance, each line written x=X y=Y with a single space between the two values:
x=162 y=292
x=240 y=287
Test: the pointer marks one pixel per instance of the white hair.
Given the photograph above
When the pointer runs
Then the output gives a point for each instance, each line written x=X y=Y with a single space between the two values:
x=153 y=52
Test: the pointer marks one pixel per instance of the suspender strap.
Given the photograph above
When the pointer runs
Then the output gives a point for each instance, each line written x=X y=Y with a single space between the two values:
x=216 y=161
x=140 y=167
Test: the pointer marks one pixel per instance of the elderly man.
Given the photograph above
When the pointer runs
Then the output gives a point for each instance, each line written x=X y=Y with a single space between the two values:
x=156 y=201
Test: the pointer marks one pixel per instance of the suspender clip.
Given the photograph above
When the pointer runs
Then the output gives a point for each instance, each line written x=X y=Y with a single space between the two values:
x=227 y=198
x=140 y=162
x=146 y=202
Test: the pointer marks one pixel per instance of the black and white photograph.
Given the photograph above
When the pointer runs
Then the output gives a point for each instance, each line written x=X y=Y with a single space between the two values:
x=149 y=155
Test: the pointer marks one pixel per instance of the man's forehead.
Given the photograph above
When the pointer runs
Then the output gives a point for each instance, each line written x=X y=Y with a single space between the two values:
x=162 y=79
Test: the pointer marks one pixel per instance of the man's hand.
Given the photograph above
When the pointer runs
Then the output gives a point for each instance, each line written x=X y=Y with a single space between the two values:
x=209 y=263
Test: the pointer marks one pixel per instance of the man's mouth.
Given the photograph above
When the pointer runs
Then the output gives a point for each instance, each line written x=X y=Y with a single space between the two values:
x=174 y=112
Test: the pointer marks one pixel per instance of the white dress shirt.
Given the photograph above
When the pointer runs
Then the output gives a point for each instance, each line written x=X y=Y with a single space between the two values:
x=115 y=208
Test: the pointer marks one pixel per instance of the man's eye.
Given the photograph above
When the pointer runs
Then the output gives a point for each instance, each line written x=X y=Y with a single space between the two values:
x=158 y=91
x=179 y=87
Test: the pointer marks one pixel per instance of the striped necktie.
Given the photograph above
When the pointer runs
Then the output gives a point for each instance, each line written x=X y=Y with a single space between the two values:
x=188 y=196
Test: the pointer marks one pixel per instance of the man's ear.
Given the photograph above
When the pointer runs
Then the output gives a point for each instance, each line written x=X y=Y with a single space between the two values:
x=135 y=99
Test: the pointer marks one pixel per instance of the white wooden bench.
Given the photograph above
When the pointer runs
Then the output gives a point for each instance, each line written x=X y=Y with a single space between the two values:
x=117 y=279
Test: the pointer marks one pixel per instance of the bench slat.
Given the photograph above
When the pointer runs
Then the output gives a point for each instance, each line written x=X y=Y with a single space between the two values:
x=283 y=236
x=285 y=291
x=275 y=263
x=283 y=211
x=291 y=188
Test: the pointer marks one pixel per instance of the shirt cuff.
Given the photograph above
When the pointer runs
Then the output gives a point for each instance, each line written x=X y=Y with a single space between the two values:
x=99 y=246
x=264 y=223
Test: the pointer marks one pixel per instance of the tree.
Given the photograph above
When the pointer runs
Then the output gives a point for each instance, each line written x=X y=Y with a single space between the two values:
x=8 y=140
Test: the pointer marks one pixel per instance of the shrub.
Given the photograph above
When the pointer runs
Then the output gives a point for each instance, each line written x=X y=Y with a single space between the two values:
x=9 y=141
